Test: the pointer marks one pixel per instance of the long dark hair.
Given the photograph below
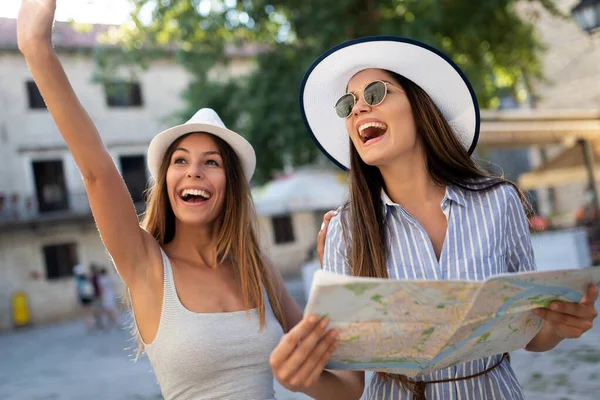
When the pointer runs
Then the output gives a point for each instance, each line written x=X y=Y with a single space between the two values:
x=448 y=163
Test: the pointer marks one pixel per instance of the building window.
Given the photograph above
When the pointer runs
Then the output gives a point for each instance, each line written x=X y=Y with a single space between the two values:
x=133 y=169
x=283 y=229
x=51 y=191
x=35 y=97
x=123 y=94
x=60 y=260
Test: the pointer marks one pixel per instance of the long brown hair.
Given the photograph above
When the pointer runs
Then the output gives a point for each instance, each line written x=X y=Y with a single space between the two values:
x=237 y=241
x=447 y=163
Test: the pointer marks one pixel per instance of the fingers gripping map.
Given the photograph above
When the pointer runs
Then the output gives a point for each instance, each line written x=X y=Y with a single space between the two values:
x=413 y=327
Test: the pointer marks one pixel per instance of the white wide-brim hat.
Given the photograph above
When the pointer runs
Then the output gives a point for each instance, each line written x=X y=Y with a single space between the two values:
x=205 y=120
x=327 y=78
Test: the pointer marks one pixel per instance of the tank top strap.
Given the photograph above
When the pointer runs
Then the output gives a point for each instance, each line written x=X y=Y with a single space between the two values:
x=170 y=299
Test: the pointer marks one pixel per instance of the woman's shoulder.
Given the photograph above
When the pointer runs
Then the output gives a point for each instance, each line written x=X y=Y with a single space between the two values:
x=502 y=192
x=337 y=229
x=335 y=224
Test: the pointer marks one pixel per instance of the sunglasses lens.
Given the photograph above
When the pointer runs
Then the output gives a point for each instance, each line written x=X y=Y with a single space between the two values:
x=344 y=105
x=374 y=93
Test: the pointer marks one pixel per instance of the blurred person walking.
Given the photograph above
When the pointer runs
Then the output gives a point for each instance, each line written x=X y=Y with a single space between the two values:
x=108 y=300
x=85 y=297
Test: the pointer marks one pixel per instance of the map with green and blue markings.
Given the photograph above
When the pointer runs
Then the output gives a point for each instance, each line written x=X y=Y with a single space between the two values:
x=413 y=327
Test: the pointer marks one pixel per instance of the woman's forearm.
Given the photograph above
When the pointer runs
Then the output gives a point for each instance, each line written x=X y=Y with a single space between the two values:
x=338 y=385
x=73 y=122
x=545 y=340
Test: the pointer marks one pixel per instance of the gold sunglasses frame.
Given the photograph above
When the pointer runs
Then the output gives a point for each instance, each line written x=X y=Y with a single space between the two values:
x=362 y=90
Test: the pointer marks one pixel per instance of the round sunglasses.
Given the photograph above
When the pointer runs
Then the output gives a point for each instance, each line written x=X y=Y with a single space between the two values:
x=374 y=94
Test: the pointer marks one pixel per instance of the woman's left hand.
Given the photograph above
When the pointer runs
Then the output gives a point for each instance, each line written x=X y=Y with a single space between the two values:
x=323 y=233
x=302 y=353
x=571 y=320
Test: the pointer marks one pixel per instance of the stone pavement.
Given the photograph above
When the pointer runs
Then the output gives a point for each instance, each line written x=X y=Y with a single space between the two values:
x=61 y=362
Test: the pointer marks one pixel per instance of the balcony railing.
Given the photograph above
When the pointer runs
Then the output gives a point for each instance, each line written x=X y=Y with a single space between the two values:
x=16 y=208
x=20 y=209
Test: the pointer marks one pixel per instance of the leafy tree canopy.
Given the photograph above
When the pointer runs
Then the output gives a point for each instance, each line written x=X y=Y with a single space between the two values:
x=496 y=48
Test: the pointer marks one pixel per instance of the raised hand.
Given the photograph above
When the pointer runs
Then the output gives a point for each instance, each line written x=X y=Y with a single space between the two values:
x=34 y=23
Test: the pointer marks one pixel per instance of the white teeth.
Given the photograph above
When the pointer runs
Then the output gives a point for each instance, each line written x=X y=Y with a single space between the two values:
x=379 y=125
x=195 y=192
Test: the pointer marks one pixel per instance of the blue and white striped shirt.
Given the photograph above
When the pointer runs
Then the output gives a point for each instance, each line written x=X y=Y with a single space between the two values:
x=487 y=234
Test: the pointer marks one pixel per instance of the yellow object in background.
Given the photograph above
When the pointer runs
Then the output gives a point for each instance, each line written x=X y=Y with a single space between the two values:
x=342 y=177
x=20 y=306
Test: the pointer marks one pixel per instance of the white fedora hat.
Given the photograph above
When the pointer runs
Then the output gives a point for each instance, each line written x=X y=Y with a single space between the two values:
x=325 y=82
x=205 y=120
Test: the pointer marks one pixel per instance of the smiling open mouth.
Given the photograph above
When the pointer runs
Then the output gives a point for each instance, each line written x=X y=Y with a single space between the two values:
x=371 y=130
x=194 y=195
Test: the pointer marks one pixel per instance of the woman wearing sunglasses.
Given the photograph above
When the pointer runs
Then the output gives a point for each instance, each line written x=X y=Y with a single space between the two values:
x=404 y=120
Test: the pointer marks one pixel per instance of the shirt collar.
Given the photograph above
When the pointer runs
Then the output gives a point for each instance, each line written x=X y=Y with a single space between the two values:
x=456 y=194
x=453 y=193
x=386 y=199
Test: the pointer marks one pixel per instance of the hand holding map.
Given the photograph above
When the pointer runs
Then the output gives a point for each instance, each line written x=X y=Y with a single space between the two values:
x=414 y=327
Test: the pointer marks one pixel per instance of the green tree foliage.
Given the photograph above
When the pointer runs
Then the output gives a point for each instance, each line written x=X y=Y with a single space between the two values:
x=497 y=50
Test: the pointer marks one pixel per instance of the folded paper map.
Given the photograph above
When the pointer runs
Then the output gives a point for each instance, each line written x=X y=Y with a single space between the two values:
x=413 y=327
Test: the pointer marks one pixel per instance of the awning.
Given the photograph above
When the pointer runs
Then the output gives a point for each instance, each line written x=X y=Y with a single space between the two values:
x=524 y=128
x=307 y=189
x=567 y=167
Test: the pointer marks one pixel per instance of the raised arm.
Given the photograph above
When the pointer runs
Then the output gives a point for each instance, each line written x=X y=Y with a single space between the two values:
x=109 y=198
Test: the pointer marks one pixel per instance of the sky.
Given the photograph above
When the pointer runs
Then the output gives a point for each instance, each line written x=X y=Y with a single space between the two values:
x=84 y=11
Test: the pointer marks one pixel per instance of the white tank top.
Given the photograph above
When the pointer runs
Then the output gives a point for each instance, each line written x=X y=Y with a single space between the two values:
x=212 y=355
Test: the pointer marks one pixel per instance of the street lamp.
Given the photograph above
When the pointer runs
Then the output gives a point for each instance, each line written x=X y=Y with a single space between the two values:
x=587 y=15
